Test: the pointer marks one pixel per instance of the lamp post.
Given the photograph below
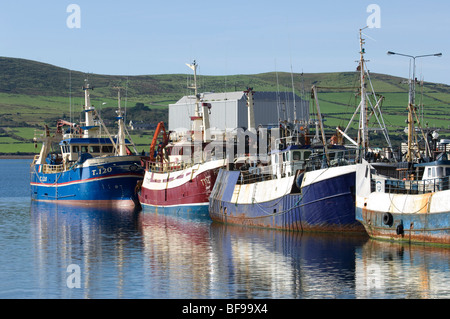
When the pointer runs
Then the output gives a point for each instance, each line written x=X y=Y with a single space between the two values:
x=412 y=96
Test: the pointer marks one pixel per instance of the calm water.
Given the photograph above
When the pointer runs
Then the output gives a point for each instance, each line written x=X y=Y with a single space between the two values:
x=127 y=254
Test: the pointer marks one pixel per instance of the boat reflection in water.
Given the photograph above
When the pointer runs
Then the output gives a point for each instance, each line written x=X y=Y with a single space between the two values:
x=101 y=241
x=212 y=260
x=178 y=255
x=393 y=270
x=126 y=254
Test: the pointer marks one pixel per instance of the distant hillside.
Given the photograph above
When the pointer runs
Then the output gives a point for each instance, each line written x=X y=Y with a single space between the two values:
x=33 y=93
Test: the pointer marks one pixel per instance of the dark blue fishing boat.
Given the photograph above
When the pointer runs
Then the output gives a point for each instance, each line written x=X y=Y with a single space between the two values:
x=91 y=166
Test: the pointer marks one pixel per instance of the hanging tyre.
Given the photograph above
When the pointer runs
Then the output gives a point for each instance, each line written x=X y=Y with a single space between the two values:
x=388 y=219
x=399 y=229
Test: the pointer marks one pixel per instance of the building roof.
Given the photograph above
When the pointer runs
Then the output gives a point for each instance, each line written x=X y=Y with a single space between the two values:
x=234 y=96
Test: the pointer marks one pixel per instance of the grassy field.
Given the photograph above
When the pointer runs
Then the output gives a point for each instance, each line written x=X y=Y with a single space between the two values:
x=33 y=94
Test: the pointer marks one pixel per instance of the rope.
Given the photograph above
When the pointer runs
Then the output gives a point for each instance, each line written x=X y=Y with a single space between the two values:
x=401 y=211
x=297 y=204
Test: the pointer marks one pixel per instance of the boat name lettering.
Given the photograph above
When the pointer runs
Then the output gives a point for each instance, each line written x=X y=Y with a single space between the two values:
x=206 y=181
x=101 y=171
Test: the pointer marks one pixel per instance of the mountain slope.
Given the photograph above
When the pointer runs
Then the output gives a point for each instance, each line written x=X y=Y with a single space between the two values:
x=33 y=93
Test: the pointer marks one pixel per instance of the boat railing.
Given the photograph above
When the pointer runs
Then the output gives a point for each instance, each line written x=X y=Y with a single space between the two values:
x=336 y=158
x=52 y=168
x=251 y=174
x=398 y=186
x=164 y=167
x=255 y=174
x=36 y=157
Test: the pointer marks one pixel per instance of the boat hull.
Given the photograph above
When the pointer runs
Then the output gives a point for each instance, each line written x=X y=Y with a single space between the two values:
x=183 y=192
x=399 y=216
x=106 y=182
x=188 y=211
x=323 y=206
x=415 y=228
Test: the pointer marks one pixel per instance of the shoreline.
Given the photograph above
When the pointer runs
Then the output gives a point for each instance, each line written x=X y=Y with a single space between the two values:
x=17 y=156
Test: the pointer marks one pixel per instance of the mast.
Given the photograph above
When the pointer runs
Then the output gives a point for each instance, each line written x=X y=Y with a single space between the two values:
x=197 y=119
x=363 y=135
x=250 y=109
x=89 y=113
x=122 y=149
x=319 y=116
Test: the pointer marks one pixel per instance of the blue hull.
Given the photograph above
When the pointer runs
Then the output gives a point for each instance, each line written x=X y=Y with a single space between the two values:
x=418 y=228
x=109 y=182
x=328 y=205
x=191 y=212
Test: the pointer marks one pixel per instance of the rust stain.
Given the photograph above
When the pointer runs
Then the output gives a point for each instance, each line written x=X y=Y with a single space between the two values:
x=425 y=203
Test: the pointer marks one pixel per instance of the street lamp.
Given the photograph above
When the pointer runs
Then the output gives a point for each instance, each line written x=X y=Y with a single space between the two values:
x=412 y=88
x=412 y=96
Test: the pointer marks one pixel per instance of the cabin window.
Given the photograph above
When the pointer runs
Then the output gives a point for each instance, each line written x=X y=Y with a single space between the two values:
x=429 y=172
x=107 y=149
x=84 y=149
x=447 y=171
x=440 y=172
x=94 y=149
x=75 y=149
x=434 y=171
x=306 y=155
x=297 y=156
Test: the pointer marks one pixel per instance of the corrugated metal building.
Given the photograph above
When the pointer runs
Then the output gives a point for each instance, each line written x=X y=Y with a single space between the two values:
x=229 y=109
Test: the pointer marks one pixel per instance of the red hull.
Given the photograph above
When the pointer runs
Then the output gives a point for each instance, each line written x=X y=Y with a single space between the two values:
x=195 y=191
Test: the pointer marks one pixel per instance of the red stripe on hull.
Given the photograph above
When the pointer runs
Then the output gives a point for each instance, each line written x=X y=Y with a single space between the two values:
x=194 y=191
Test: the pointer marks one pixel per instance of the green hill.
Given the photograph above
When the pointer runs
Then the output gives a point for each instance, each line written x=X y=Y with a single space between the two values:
x=33 y=94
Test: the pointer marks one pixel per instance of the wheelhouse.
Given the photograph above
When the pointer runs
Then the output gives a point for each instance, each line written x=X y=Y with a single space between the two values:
x=72 y=148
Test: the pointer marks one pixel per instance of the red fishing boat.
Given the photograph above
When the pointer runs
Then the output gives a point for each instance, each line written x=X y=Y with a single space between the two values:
x=181 y=171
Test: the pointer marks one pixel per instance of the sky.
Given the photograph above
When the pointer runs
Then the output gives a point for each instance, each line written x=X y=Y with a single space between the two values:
x=230 y=37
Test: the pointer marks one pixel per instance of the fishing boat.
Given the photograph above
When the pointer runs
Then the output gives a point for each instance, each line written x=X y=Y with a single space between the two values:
x=413 y=205
x=305 y=187
x=86 y=165
x=181 y=169
x=408 y=201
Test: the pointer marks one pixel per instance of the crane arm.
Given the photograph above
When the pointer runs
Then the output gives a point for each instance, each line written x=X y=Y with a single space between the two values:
x=159 y=128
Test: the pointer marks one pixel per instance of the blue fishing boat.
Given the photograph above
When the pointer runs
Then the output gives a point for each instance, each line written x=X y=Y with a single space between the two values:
x=273 y=196
x=306 y=187
x=86 y=164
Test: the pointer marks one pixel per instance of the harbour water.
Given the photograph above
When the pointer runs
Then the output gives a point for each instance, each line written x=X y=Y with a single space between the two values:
x=50 y=251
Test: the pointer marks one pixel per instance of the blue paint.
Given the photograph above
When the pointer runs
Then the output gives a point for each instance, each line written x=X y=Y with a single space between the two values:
x=191 y=212
x=328 y=205
x=432 y=225
x=109 y=181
